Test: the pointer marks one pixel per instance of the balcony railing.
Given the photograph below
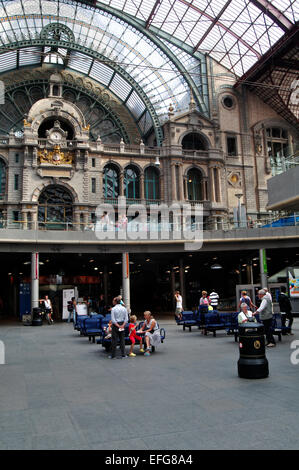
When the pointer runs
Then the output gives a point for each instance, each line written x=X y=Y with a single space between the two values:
x=208 y=224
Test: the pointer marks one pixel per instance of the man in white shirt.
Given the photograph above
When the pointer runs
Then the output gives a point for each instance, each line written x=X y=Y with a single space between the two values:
x=179 y=304
x=119 y=318
x=265 y=313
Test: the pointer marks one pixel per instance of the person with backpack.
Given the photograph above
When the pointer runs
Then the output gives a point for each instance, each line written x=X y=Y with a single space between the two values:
x=285 y=310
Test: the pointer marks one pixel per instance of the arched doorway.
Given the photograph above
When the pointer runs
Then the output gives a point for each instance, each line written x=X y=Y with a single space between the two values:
x=55 y=208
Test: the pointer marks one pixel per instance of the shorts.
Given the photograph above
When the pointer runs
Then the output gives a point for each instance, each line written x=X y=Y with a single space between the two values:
x=178 y=311
x=132 y=338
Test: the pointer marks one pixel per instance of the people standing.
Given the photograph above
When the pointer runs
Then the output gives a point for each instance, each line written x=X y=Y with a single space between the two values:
x=102 y=305
x=203 y=309
x=285 y=310
x=73 y=310
x=266 y=315
x=214 y=299
x=247 y=300
x=179 y=304
x=119 y=317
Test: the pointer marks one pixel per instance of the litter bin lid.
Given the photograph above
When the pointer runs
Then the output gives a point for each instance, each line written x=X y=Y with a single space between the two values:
x=251 y=327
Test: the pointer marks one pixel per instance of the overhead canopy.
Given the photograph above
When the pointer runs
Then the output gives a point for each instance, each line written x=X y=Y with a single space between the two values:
x=148 y=53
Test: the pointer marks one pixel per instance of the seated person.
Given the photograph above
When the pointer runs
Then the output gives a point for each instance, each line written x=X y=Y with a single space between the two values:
x=245 y=315
x=108 y=330
x=152 y=332
x=133 y=336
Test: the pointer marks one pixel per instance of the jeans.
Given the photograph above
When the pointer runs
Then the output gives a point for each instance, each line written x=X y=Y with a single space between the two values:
x=115 y=335
x=268 y=330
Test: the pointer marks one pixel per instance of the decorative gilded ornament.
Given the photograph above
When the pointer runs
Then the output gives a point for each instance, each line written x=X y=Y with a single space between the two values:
x=55 y=157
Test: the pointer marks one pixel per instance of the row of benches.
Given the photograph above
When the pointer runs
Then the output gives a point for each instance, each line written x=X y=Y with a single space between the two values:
x=95 y=325
x=213 y=321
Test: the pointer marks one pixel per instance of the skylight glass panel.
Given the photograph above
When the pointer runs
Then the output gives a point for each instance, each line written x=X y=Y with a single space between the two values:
x=135 y=104
x=101 y=73
x=145 y=123
x=49 y=8
x=29 y=56
x=80 y=62
x=8 y=61
x=120 y=87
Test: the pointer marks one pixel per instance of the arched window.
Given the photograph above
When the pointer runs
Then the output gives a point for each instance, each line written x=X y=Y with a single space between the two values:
x=131 y=182
x=193 y=141
x=152 y=183
x=2 y=179
x=55 y=208
x=111 y=181
x=194 y=185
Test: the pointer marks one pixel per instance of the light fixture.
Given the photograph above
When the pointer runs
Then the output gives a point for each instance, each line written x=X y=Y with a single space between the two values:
x=157 y=162
x=216 y=266
x=95 y=269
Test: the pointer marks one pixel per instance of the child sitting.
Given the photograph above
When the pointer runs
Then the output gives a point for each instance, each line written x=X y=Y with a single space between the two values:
x=133 y=336
x=108 y=330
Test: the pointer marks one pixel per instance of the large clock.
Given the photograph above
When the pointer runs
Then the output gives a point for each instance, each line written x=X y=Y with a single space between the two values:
x=56 y=135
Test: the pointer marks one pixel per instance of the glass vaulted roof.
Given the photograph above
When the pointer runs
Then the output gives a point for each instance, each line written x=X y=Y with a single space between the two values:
x=144 y=48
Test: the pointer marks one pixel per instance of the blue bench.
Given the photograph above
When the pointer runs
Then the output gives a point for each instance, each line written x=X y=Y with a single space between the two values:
x=92 y=327
x=106 y=343
x=188 y=320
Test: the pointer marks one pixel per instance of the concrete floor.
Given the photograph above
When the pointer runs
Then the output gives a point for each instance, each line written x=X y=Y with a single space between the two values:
x=58 y=391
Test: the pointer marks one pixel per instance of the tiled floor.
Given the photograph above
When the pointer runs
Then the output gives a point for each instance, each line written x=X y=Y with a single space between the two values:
x=58 y=391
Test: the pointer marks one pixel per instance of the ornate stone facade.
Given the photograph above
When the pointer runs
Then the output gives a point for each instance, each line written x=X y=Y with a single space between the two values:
x=201 y=160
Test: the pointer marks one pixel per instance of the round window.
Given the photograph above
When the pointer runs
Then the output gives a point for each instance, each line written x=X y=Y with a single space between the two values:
x=228 y=102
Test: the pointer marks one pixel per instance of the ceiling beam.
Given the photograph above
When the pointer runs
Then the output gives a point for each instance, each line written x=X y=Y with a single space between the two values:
x=276 y=15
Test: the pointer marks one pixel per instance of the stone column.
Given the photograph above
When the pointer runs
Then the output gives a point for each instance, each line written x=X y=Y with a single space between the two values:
x=182 y=281
x=105 y=284
x=173 y=182
x=34 y=279
x=101 y=194
x=24 y=220
x=126 y=280
x=141 y=186
x=181 y=183
x=263 y=267
x=121 y=183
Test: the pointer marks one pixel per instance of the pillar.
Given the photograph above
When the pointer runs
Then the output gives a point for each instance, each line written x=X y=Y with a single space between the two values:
x=173 y=182
x=263 y=267
x=172 y=281
x=34 y=279
x=181 y=183
x=126 y=280
x=121 y=183
x=141 y=182
x=24 y=220
x=182 y=281
x=106 y=285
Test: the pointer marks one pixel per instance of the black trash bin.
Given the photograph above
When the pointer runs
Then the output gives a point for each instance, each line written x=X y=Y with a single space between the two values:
x=37 y=319
x=252 y=363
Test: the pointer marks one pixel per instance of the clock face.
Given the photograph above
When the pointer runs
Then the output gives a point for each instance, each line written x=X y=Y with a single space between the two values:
x=19 y=133
x=56 y=136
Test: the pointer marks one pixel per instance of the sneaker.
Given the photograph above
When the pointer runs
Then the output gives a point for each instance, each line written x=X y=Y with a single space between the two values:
x=132 y=355
x=110 y=357
x=147 y=353
x=271 y=345
x=123 y=357
x=142 y=350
